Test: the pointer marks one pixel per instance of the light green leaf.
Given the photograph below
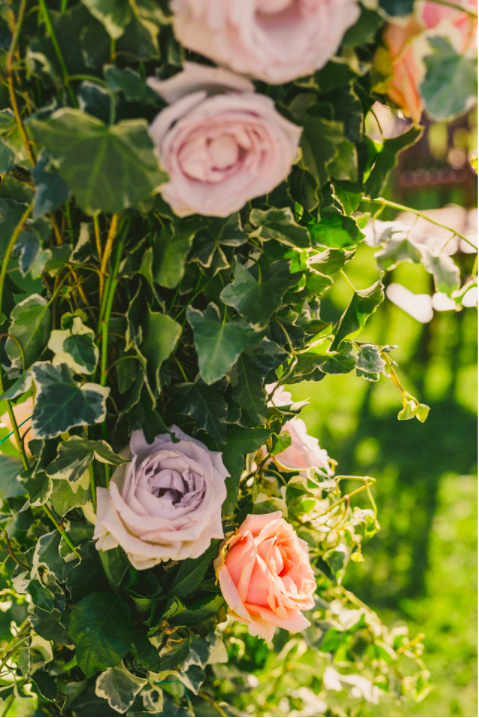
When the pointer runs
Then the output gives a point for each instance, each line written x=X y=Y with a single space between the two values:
x=387 y=159
x=362 y=305
x=161 y=338
x=450 y=85
x=108 y=168
x=31 y=322
x=119 y=687
x=75 y=346
x=447 y=276
x=62 y=403
x=75 y=455
x=218 y=343
x=171 y=250
x=102 y=628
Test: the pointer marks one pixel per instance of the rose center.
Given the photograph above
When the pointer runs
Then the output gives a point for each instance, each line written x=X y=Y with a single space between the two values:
x=223 y=151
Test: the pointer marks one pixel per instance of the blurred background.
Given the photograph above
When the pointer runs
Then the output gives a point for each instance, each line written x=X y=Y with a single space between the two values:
x=422 y=567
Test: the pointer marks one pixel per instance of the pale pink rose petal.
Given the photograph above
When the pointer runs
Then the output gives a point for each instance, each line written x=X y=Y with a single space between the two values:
x=304 y=451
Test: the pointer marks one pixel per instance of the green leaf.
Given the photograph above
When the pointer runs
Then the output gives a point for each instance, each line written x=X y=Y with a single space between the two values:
x=447 y=276
x=362 y=305
x=282 y=442
x=75 y=455
x=161 y=338
x=10 y=470
x=39 y=486
x=192 y=572
x=102 y=628
x=61 y=403
x=31 y=323
x=320 y=143
x=64 y=498
x=279 y=224
x=113 y=14
x=200 y=611
x=369 y=363
x=131 y=84
x=75 y=346
x=387 y=159
x=396 y=8
x=205 y=404
x=115 y=564
x=257 y=300
x=345 y=165
x=119 y=687
x=335 y=230
x=218 y=343
x=239 y=442
x=248 y=388
x=450 y=84
x=171 y=250
x=51 y=190
x=108 y=168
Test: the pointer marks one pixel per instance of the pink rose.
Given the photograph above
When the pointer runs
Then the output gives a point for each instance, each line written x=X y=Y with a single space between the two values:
x=165 y=504
x=304 y=451
x=266 y=578
x=23 y=415
x=271 y=40
x=220 y=143
x=408 y=46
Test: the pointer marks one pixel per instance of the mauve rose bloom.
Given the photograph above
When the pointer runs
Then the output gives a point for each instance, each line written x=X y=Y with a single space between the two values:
x=266 y=578
x=165 y=504
x=271 y=40
x=23 y=413
x=219 y=142
x=304 y=451
x=407 y=44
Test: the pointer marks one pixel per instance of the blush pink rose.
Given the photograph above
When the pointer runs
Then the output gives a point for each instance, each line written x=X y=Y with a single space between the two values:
x=220 y=143
x=266 y=578
x=23 y=415
x=304 y=451
x=408 y=46
x=271 y=40
x=164 y=504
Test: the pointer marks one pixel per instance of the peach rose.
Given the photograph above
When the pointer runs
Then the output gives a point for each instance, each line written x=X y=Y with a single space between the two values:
x=304 y=451
x=220 y=143
x=408 y=46
x=271 y=40
x=23 y=415
x=266 y=578
x=165 y=504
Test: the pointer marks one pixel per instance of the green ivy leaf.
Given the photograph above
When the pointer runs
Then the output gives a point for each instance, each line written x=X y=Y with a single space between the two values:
x=75 y=347
x=161 y=338
x=239 y=442
x=362 y=305
x=447 y=276
x=10 y=470
x=257 y=299
x=450 y=84
x=248 y=388
x=279 y=224
x=114 y=15
x=31 y=322
x=369 y=363
x=51 y=190
x=106 y=168
x=61 y=403
x=205 y=404
x=387 y=159
x=171 y=250
x=76 y=454
x=335 y=230
x=320 y=143
x=119 y=687
x=192 y=572
x=218 y=343
x=102 y=629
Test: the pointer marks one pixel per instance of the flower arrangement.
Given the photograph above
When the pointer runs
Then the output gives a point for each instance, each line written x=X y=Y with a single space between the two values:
x=181 y=183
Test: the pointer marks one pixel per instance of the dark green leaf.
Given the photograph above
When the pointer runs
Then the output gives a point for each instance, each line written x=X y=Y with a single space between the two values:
x=362 y=305
x=205 y=404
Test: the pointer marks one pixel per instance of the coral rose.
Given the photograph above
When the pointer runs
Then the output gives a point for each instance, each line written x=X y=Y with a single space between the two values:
x=407 y=44
x=23 y=415
x=266 y=578
x=165 y=504
x=304 y=451
x=219 y=142
x=271 y=40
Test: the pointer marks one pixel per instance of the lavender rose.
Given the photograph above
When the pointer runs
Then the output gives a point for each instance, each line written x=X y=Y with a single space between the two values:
x=271 y=40
x=220 y=143
x=165 y=504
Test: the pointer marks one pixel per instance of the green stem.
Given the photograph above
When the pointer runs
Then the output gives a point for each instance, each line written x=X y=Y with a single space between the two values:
x=345 y=277
x=346 y=497
x=455 y=6
x=58 y=52
x=92 y=486
x=8 y=704
x=3 y=274
x=61 y=530
x=403 y=208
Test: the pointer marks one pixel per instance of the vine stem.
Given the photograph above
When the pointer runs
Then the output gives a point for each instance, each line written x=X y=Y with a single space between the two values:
x=60 y=529
x=212 y=702
x=3 y=274
x=58 y=52
x=418 y=213
x=368 y=481
x=107 y=252
x=11 y=88
x=455 y=6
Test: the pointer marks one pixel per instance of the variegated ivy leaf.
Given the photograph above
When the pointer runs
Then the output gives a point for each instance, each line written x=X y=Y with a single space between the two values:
x=62 y=403
x=76 y=453
x=119 y=687
x=75 y=346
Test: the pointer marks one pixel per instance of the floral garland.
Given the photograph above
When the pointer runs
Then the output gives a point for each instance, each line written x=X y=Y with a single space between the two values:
x=175 y=225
